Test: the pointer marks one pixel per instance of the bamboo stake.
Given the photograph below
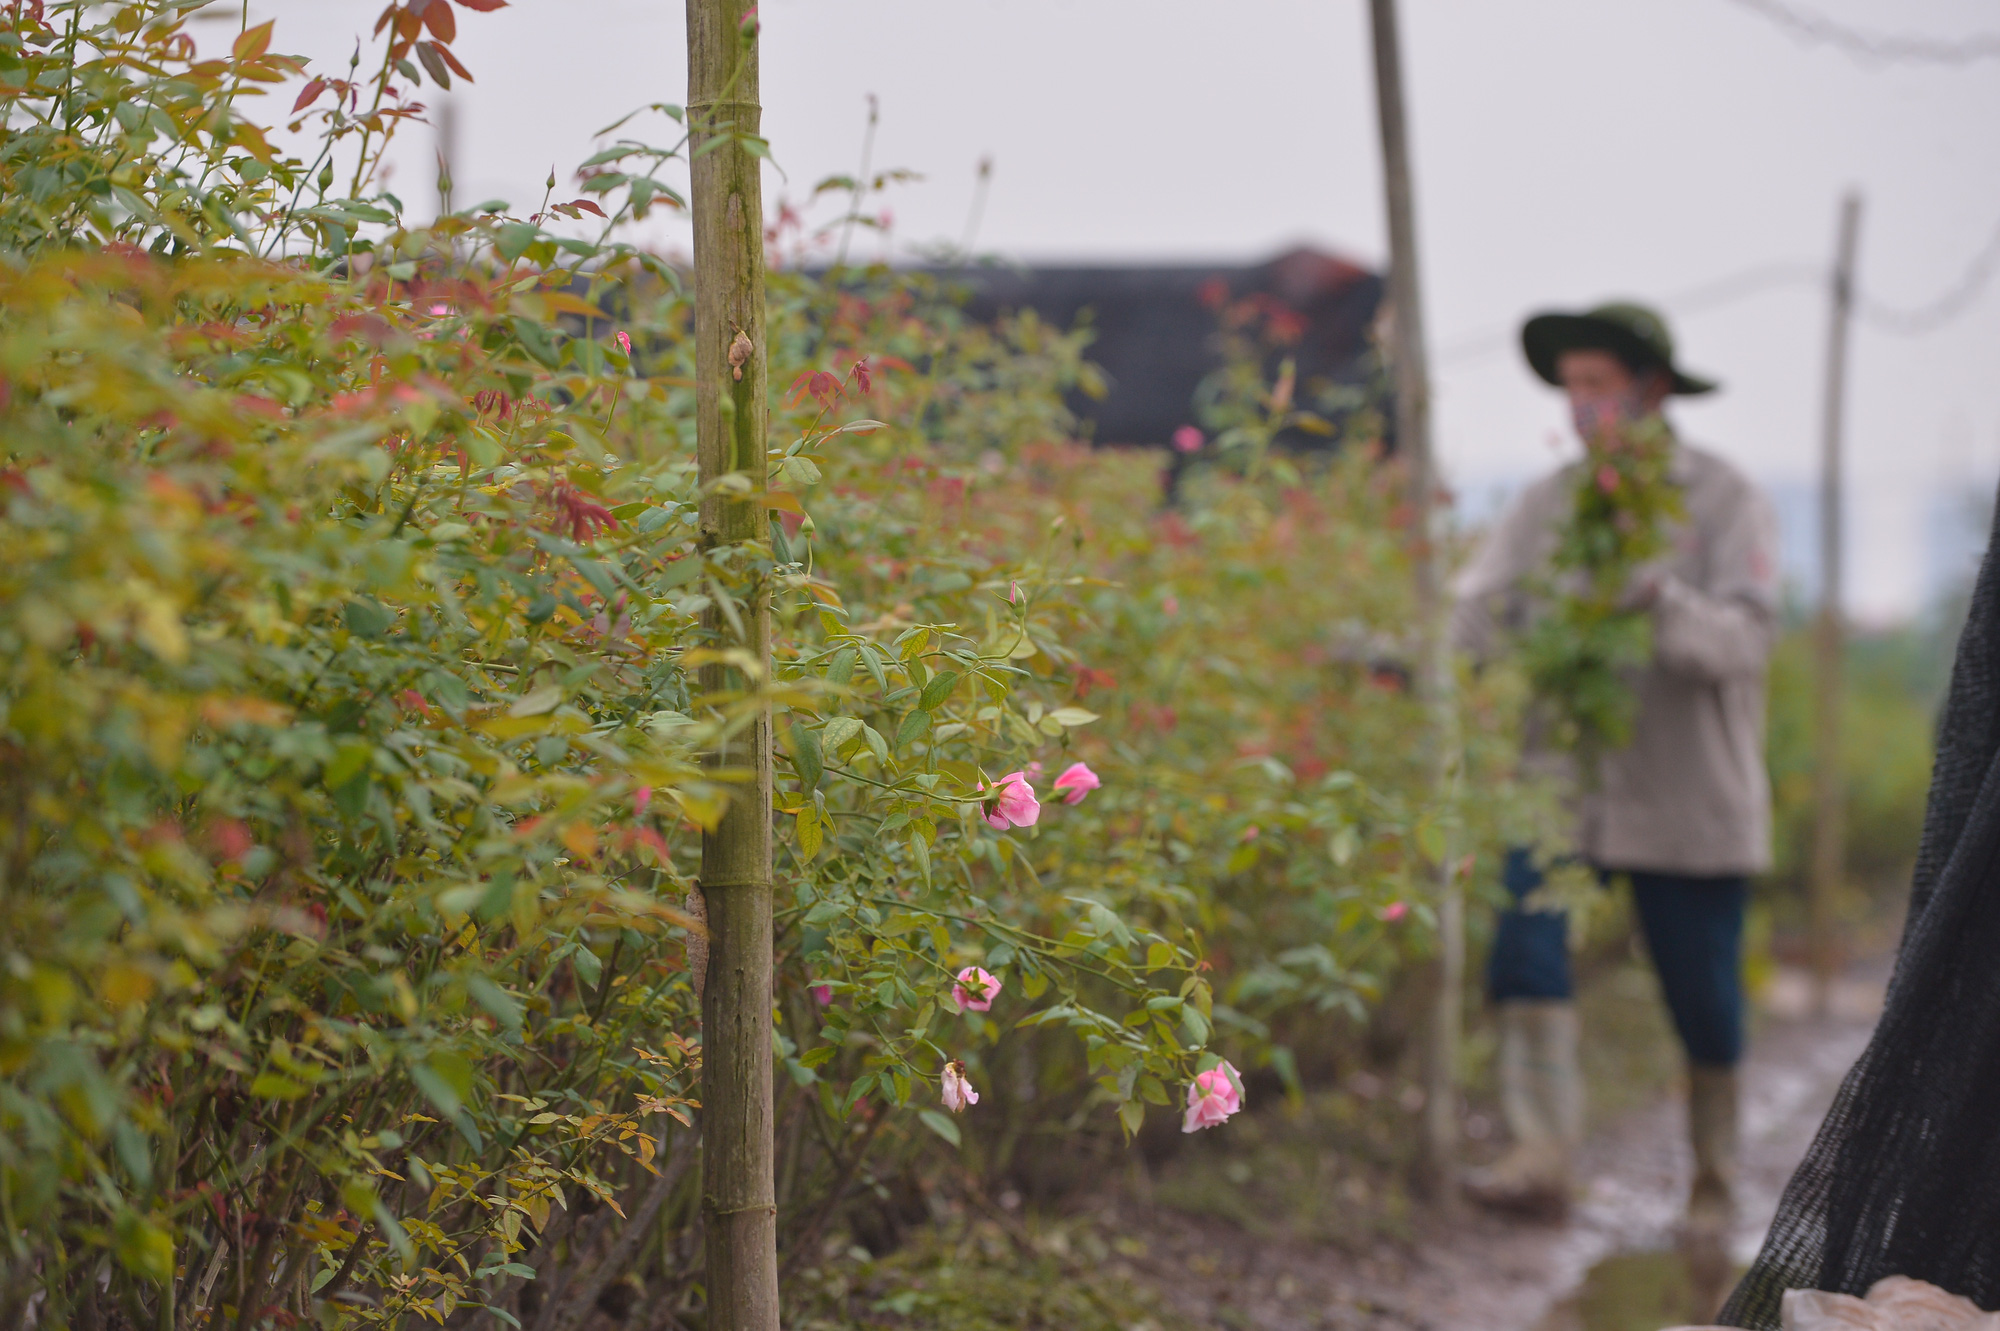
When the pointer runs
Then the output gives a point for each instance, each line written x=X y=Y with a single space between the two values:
x=1434 y=672
x=731 y=420
x=1829 y=636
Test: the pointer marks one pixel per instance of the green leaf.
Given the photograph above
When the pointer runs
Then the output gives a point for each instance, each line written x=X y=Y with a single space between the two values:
x=915 y=724
x=537 y=702
x=1072 y=716
x=838 y=733
x=589 y=968
x=799 y=471
x=1343 y=845
x=513 y=238
x=367 y=619
x=941 y=1124
x=277 y=1086
x=144 y=1248
x=348 y=759
x=496 y=1001
x=876 y=744
x=807 y=762
x=938 y=690
x=1131 y=1115
x=435 y=1088
x=807 y=827
x=445 y=1078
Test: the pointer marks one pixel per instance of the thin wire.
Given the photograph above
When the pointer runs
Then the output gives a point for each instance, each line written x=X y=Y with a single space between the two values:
x=1874 y=48
x=1690 y=300
x=1956 y=300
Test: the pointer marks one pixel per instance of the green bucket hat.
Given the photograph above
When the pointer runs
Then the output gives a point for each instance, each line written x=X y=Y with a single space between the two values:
x=1633 y=333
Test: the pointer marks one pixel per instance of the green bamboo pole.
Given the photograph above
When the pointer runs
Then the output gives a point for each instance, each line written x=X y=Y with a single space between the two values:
x=731 y=420
x=1434 y=672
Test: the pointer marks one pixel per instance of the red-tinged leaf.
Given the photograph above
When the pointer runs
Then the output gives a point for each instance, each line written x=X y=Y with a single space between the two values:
x=441 y=21
x=253 y=42
x=428 y=53
x=383 y=22
x=408 y=26
x=483 y=6
x=308 y=95
x=587 y=206
x=444 y=54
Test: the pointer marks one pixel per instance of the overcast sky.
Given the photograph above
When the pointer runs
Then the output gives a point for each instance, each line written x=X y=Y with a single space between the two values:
x=1566 y=151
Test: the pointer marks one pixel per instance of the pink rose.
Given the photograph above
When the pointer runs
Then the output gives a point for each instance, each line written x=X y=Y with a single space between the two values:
x=822 y=994
x=958 y=1092
x=1212 y=1098
x=976 y=989
x=1013 y=803
x=1187 y=439
x=1393 y=912
x=624 y=342
x=1077 y=781
x=641 y=797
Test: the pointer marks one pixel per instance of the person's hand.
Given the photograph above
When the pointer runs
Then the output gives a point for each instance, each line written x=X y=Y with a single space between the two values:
x=1643 y=591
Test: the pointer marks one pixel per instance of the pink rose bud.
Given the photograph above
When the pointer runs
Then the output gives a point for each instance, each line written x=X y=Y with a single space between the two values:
x=958 y=1092
x=1077 y=781
x=1012 y=803
x=976 y=989
x=1187 y=439
x=624 y=342
x=1013 y=593
x=1393 y=912
x=641 y=797
x=1252 y=832
x=822 y=994
x=1212 y=1098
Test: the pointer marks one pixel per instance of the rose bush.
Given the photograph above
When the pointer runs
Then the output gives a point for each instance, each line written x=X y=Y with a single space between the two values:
x=349 y=591
x=351 y=785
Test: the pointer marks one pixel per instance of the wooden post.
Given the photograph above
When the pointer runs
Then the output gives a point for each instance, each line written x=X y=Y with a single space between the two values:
x=731 y=419
x=1434 y=670
x=1829 y=637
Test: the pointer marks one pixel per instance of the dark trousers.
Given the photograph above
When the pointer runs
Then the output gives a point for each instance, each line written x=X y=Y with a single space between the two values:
x=1694 y=931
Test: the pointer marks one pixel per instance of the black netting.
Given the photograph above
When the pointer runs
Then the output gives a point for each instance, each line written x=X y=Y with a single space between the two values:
x=1904 y=1176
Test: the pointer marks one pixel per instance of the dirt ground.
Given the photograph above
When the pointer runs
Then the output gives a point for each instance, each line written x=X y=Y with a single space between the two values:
x=1610 y=1267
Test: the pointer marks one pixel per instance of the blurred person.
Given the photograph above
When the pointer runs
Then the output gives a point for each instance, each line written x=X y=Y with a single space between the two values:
x=1683 y=810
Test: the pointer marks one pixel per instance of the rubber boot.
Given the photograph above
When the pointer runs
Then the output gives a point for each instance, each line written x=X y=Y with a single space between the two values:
x=1541 y=1098
x=1712 y=1132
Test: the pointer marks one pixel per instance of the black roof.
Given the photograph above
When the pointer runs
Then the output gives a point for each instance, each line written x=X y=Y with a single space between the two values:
x=1158 y=327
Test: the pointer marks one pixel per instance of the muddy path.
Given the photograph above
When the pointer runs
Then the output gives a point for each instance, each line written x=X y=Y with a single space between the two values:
x=1609 y=1267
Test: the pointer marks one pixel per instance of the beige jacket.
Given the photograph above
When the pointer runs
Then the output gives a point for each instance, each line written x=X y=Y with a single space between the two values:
x=1690 y=794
